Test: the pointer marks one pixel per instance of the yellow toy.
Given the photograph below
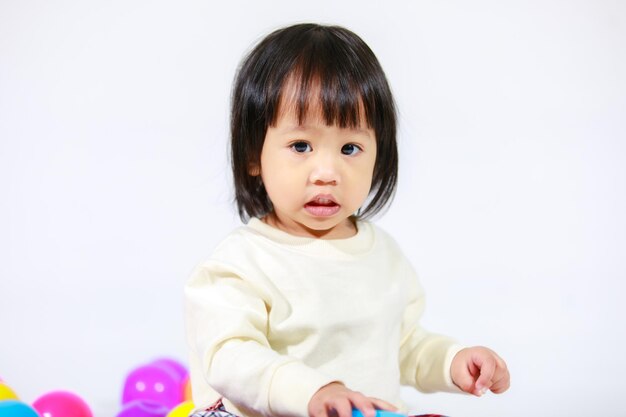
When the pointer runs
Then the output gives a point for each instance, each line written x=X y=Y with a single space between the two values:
x=181 y=410
x=6 y=393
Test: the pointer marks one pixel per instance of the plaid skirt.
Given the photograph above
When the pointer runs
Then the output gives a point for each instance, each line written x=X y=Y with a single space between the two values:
x=218 y=410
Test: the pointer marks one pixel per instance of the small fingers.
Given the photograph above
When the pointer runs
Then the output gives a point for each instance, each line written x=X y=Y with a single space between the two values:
x=335 y=400
x=502 y=381
x=368 y=405
x=383 y=405
x=364 y=404
x=500 y=386
x=318 y=412
x=485 y=379
x=343 y=407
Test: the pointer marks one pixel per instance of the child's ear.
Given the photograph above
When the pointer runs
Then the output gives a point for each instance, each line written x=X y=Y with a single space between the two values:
x=254 y=169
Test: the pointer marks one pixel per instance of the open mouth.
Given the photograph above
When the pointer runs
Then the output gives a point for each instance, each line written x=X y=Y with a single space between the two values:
x=322 y=206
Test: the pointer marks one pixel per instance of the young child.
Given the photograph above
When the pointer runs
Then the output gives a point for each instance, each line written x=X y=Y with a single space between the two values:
x=309 y=309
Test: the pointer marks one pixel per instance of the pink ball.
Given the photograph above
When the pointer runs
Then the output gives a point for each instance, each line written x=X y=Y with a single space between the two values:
x=153 y=382
x=62 y=404
x=143 y=408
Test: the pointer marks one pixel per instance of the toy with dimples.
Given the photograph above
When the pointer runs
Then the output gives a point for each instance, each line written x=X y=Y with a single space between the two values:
x=160 y=381
x=143 y=408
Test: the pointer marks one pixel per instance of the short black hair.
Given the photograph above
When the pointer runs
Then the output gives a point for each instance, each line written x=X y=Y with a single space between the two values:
x=330 y=61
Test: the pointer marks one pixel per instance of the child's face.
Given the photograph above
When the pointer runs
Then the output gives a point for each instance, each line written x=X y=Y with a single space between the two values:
x=316 y=175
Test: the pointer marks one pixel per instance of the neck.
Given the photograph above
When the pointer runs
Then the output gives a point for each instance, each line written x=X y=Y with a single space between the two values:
x=345 y=231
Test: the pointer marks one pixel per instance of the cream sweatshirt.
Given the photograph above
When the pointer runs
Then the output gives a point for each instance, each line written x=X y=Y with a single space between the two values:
x=271 y=318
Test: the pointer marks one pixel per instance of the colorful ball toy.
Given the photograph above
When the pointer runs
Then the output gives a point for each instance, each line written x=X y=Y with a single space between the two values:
x=143 y=408
x=14 y=408
x=187 y=389
x=181 y=410
x=6 y=393
x=160 y=381
x=383 y=413
x=62 y=404
x=173 y=365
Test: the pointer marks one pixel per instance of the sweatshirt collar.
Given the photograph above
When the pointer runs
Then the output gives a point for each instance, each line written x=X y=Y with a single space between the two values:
x=360 y=243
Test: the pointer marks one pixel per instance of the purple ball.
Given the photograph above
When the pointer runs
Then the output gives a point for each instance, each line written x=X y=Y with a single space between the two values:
x=174 y=365
x=154 y=383
x=143 y=408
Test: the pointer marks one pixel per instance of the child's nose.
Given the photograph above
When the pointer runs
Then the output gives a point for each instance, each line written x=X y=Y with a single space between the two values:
x=325 y=171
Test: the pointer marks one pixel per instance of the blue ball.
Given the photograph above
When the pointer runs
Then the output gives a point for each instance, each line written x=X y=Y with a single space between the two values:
x=379 y=413
x=14 y=408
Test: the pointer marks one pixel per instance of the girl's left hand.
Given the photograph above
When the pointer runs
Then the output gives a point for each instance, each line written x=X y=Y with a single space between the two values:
x=478 y=369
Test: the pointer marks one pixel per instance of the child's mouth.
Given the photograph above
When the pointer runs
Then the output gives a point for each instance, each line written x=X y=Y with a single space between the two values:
x=322 y=206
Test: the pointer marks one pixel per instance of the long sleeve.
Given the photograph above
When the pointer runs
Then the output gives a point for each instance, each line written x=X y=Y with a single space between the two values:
x=272 y=317
x=227 y=324
x=425 y=357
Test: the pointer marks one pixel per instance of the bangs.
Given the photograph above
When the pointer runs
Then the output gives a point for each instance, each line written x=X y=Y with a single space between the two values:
x=328 y=74
x=308 y=91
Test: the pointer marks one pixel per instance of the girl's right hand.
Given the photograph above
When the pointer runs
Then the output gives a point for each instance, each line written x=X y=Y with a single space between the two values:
x=335 y=400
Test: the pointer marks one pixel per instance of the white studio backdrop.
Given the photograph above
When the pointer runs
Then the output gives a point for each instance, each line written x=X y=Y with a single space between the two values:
x=114 y=183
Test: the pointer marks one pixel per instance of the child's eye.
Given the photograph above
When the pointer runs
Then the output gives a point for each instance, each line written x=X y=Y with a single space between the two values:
x=350 y=149
x=301 y=147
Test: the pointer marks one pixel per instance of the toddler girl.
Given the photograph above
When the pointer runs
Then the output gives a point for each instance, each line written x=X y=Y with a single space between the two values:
x=309 y=309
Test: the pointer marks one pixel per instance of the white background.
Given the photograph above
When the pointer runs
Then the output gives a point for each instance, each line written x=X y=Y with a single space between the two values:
x=511 y=201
